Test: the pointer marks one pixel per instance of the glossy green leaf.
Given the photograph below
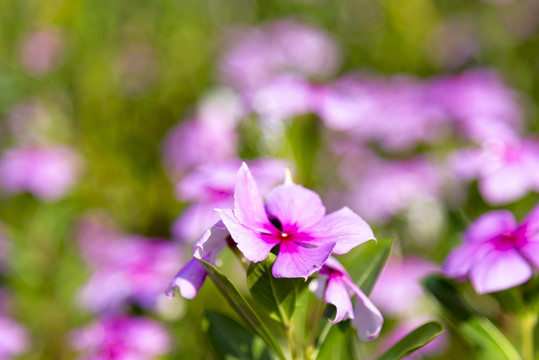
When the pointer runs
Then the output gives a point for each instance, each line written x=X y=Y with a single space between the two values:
x=473 y=325
x=232 y=341
x=277 y=295
x=368 y=263
x=414 y=341
x=242 y=308
x=336 y=343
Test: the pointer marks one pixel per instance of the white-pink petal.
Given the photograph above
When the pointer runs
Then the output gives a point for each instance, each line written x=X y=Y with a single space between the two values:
x=500 y=270
x=295 y=261
x=254 y=246
x=344 y=227
x=248 y=203
x=296 y=207
x=337 y=294
x=490 y=225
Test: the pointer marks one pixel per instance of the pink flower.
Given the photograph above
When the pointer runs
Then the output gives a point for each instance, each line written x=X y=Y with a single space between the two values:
x=13 y=338
x=388 y=188
x=507 y=170
x=396 y=112
x=293 y=218
x=281 y=97
x=41 y=51
x=338 y=285
x=127 y=268
x=212 y=186
x=194 y=142
x=47 y=172
x=482 y=106
x=256 y=54
x=121 y=338
x=398 y=290
x=497 y=253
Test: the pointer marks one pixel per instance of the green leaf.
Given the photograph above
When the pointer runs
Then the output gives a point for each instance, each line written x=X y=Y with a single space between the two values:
x=413 y=341
x=336 y=344
x=277 y=295
x=368 y=263
x=232 y=341
x=473 y=325
x=242 y=308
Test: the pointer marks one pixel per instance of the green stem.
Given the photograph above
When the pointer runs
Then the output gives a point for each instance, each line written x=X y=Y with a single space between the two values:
x=527 y=326
x=291 y=341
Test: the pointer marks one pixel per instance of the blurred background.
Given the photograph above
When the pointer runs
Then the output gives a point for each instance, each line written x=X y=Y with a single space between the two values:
x=115 y=115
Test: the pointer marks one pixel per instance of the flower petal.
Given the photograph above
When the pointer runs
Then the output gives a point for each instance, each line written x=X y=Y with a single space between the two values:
x=506 y=184
x=461 y=259
x=211 y=242
x=189 y=280
x=490 y=225
x=294 y=206
x=531 y=252
x=248 y=203
x=337 y=294
x=500 y=270
x=344 y=227
x=367 y=318
x=254 y=246
x=294 y=261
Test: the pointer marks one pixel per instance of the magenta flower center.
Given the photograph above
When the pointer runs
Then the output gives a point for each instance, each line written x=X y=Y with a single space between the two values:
x=515 y=239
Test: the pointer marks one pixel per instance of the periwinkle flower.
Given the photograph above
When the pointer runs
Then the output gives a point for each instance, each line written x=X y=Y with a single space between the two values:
x=126 y=268
x=294 y=219
x=398 y=291
x=41 y=51
x=396 y=112
x=198 y=141
x=388 y=188
x=13 y=338
x=506 y=170
x=121 y=338
x=255 y=55
x=482 y=106
x=48 y=172
x=497 y=253
x=281 y=97
x=337 y=287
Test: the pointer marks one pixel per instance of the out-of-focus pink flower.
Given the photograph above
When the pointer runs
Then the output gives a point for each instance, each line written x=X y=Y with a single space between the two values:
x=398 y=290
x=127 y=268
x=497 y=253
x=137 y=68
x=435 y=347
x=121 y=338
x=13 y=338
x=212 y=186
x=338 y=285
x=195 y=142
x=293 y=218
x=507 y=170
x=397 y=112
x=483 y=107
x=388 y=188
x=41 y=51
x=256 y=54
x=281 y=97
x=48 y=172
x=208 y=138
x=191 y=277
x=28 y=120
